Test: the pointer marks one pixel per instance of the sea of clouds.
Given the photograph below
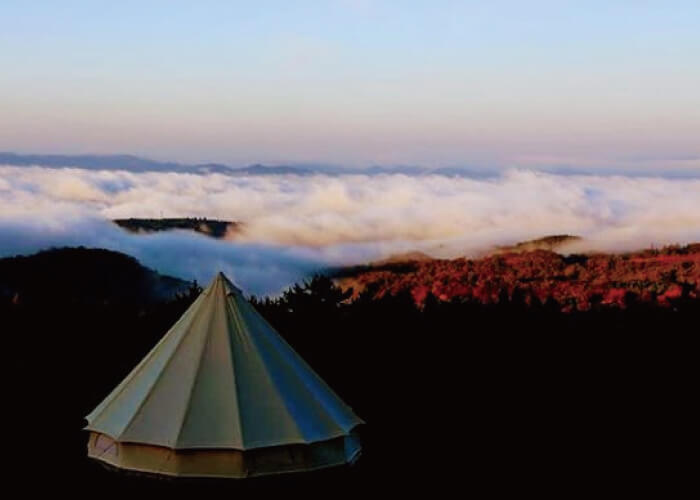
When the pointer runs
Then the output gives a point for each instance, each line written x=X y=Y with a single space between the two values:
x=295 y=225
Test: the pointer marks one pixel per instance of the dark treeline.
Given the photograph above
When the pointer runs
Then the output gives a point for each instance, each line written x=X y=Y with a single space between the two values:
x=511 y=391
x=456 y=396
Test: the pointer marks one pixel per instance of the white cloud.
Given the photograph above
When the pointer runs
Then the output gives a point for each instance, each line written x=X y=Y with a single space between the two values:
x=295 y=224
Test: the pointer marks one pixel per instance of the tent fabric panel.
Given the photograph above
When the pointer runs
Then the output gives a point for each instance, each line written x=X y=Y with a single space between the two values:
x=265 y=418
x=114 y=414
x=319 y=397
x=160 y=416
x=313 y=416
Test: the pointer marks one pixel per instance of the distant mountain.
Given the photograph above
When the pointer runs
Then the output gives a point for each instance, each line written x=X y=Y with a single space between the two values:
x=465 y=172
x=209 y=227
x=397 y=169
x=91 y=162
x=132 y=163
x=135 y=164
x=84 y=275
x=273 y=170
x=210 y=168
x=409 y=170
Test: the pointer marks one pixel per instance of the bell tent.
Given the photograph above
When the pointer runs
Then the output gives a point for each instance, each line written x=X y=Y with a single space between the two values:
x=222 y=395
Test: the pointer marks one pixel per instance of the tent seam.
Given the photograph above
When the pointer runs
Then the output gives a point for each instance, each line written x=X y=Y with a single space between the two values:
x=194 y=383
x=231 y=310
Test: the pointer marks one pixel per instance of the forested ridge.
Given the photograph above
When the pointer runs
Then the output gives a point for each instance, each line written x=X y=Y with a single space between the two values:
x=575 y=282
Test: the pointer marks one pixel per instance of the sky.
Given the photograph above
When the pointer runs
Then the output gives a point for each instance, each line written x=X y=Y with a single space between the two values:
x=599 y=85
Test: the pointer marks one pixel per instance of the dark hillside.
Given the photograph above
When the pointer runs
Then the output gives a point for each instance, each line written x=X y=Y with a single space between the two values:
x=84 y=275
x=458 y=396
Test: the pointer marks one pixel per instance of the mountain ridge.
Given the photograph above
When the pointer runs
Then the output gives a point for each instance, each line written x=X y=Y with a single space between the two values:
x=133 y=163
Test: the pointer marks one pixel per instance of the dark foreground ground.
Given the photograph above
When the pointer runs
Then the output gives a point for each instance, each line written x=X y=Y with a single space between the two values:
x=459 y=399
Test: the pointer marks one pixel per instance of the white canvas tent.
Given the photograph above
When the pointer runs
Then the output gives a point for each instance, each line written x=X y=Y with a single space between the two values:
x=222 y=395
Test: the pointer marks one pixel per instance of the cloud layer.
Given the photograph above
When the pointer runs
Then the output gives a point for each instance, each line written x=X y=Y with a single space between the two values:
x=295 y=225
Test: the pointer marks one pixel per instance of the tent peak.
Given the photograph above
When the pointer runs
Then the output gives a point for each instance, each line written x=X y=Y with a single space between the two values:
x=220 y=277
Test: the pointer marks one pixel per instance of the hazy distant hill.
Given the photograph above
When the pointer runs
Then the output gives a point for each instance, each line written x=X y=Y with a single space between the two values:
x=402 y=257
x=210 y=227
x=552 y=243
x=136 y=164
x=84 y=275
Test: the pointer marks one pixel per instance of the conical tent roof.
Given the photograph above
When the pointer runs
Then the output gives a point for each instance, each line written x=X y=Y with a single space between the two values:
x=222 y=378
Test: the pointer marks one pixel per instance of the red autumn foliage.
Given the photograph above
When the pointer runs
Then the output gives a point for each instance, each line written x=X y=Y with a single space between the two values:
x=576 y=281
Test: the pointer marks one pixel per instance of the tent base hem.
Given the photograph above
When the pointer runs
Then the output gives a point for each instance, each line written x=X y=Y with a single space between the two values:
x=223 y=463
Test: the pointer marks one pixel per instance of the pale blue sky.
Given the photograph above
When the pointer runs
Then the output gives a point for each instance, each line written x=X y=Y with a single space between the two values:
x=594 y=84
